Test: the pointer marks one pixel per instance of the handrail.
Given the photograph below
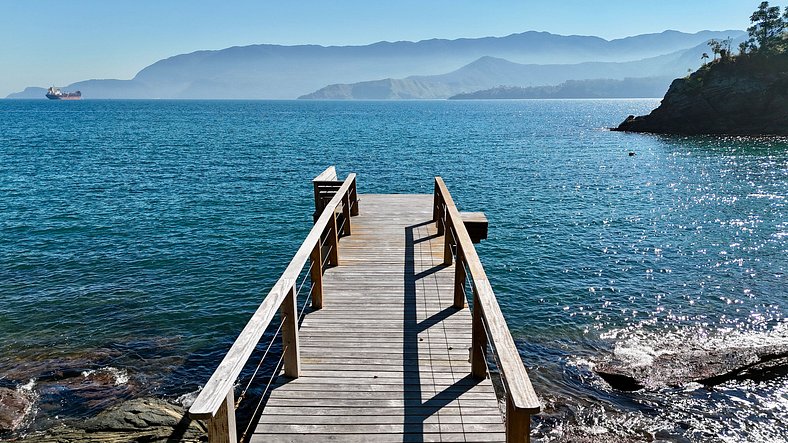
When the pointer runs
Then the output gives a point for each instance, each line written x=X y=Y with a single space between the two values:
x=521 y=399
x=216 y=397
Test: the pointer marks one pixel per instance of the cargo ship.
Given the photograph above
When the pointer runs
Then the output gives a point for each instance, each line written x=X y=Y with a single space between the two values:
x=54 y=93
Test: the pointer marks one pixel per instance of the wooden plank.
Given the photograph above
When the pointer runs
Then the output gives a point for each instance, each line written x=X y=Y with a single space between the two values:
x=329 y=174
x=377 y=403
x=375 y=428
x=342 y=385
x=398 y=411
x=370 y=395
x=380 y=438
x=383 y=419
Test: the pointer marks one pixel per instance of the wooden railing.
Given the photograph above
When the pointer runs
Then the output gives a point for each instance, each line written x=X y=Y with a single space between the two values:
x=488 y=323
x=325 y=186
x=216 y=402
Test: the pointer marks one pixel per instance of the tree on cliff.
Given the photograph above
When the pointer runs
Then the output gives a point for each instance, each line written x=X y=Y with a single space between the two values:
x=740 y=95
x=767 y=33
x=716 y=47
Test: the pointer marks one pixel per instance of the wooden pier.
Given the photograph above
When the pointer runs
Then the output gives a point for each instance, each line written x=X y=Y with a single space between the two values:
x=389 y=351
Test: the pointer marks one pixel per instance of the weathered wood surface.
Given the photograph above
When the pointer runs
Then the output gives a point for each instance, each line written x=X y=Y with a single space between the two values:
x=386 y=358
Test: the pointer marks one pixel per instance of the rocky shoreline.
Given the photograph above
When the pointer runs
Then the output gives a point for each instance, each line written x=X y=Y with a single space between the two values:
x=147 y=420
x=746 y=95
x=708 y=367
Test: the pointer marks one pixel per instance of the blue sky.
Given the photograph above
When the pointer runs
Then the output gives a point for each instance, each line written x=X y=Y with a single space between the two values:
x=45 y=42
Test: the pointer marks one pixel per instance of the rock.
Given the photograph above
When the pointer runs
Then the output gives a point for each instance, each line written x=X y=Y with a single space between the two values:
x=136 y=414
x=741 y=96
x=14 y=407
x=708 y=367
x=144 y=419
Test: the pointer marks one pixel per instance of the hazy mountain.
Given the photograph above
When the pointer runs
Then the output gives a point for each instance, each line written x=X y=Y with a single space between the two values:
x=490 y=72
x=647 y=87
x=30 y=92
x=273 y=71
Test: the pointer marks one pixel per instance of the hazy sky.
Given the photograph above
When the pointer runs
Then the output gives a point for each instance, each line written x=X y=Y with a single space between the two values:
x=45 y=42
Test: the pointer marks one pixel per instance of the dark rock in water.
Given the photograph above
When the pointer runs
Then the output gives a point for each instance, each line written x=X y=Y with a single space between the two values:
x=743 y=96
x=144 y=419
x=14 y=407
x=708 y=367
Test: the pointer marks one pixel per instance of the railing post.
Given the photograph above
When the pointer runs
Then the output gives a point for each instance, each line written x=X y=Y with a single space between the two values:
x=346 y=213
x=518 y=424
x=221 y=427
x=459 y=279
x=441 y=222
x=478 y=340
x=353 y=198
x=316 y=276
x=333 y=241
x=438 y=209
x=448 y=240
x=318 y=202
x=290 y=335
x=435 y=196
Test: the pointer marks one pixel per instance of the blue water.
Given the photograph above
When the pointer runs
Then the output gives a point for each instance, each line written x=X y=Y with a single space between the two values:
x=136 y=238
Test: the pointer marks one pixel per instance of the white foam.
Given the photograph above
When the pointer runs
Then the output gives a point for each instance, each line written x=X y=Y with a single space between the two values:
x=639 y=347
x=186 y=400
x=28 y=386
x=30 y=411
x=120 y=376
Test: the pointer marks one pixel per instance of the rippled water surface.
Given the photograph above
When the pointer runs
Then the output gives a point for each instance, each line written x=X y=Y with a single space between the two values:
x=136 y=238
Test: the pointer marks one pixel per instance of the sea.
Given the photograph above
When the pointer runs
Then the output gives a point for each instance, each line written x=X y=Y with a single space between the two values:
x=137 y=238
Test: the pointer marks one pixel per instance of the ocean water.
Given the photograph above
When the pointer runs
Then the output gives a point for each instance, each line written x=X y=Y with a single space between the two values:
x=137 y=237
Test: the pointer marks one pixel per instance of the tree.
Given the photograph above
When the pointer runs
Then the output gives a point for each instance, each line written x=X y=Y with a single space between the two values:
x=716 y=47
x=767 y=28
x=746 y=46
x=725 y=49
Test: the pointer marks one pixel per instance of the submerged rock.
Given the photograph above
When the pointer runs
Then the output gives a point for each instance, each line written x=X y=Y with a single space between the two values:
x=708 y=367
x=144 y=419
x=746 y=95
x=14 y=407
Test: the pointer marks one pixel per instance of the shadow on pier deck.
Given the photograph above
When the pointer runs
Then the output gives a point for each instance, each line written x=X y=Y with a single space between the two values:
x=390 y=351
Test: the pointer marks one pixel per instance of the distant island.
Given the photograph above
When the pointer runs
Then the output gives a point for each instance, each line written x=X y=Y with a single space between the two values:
x=645 y=87
x=427 y=69
x=742 y=94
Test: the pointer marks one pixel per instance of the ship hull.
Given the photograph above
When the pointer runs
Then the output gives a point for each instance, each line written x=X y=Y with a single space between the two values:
x=63 y=97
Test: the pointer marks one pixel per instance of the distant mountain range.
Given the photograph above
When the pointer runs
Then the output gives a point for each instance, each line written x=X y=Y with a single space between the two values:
x=489 y=72
x=444 y=67
x=648 y=87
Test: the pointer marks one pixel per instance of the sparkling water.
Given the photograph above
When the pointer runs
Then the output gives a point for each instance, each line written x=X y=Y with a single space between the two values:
x=137 y=237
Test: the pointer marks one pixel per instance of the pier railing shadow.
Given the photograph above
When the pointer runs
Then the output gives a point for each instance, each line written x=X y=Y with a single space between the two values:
x=416 y=409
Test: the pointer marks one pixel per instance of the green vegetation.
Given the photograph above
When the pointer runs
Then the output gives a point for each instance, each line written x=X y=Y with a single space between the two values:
x=768 y=30
x=740 y=94
x=768 y=35
x=766 y=49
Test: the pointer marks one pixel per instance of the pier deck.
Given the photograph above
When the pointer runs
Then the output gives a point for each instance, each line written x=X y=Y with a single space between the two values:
x=389 y=351
x=386 y=358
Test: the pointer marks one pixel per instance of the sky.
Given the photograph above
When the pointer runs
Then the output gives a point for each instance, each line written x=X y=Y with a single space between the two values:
x=57 y=42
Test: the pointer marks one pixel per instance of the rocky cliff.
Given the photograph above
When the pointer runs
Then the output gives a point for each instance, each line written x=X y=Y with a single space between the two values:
x=745 y=95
